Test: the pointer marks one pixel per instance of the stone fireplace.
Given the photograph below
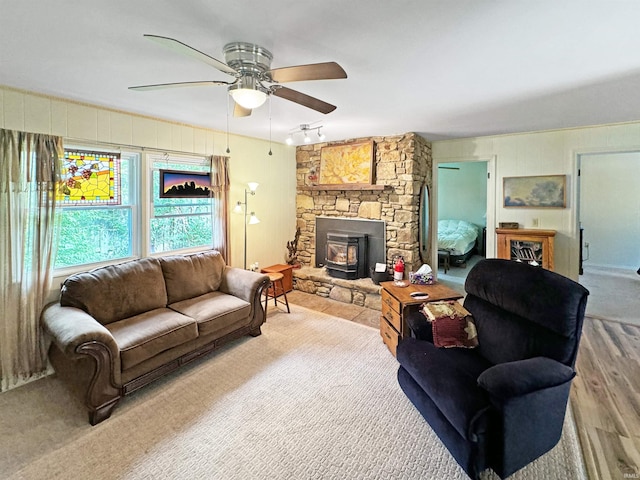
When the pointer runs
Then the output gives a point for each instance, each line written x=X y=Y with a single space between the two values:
x=403 y=166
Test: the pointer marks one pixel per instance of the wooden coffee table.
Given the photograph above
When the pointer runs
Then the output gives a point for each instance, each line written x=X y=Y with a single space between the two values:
x=397 y=303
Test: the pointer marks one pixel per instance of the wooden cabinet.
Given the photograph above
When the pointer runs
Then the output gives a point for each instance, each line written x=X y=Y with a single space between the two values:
x=397 y=303
x=286 y=271
x=533 y=246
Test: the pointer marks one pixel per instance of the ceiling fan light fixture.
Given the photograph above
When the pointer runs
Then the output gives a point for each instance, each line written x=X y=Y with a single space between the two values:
x=307 y=138
x=321 y=136
x=248 y=98
x=248 y=92
x=289 y=140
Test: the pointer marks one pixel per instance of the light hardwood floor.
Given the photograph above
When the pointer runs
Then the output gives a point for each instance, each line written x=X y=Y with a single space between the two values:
x=605 y=395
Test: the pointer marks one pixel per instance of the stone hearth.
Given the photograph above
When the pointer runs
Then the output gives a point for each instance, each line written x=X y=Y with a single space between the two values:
x=362 y=292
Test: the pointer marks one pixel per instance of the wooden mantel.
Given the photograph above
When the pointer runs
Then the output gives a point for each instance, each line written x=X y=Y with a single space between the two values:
x=343 y=186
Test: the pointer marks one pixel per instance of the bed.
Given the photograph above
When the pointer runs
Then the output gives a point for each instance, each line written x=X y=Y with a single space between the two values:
x=459 y=238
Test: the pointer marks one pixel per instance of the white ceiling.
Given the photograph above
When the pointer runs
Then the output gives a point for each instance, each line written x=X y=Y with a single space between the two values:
x=441 y=68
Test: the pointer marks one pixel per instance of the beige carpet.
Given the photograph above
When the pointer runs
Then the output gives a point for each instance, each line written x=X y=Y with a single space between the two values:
x=314 y=397
x=614 y=294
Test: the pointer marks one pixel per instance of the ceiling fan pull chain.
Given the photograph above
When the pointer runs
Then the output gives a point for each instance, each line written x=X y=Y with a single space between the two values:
x=270 y=152
x=228 y=151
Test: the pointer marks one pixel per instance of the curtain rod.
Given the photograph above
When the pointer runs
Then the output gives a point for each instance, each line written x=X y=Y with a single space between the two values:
x=98 y=143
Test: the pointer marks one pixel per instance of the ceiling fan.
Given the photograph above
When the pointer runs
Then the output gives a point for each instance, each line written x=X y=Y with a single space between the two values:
x=251 y=66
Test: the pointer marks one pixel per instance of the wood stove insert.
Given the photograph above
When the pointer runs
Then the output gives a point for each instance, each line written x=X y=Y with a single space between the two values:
x=346 y=255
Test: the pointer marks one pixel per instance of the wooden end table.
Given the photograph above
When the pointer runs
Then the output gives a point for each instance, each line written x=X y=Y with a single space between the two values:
x=287 y=273
x=397 y=303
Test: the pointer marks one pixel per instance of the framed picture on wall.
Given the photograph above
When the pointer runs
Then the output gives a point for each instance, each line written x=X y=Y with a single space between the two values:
x=349 y=163
x=180 y=184
x=543 y=191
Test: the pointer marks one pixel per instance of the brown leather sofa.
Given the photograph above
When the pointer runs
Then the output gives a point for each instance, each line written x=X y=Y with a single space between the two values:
x=118 y=328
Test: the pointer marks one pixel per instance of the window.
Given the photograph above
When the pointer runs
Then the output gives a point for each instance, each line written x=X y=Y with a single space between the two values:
x=179 y=223
x=96 y=215
x=106 y=221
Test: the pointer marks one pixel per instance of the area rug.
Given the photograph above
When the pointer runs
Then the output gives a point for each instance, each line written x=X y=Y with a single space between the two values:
x=313 y=397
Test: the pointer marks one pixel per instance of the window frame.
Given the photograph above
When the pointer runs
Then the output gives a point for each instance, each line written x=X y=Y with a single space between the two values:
x=183 y=159
x=133 y=205
x=141 y=201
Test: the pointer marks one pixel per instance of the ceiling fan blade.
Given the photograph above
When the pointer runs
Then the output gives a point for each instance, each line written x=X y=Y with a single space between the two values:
x=303 y=99
x=240 y=111
x=314 y=71
x=184 y=49
x=179 y=84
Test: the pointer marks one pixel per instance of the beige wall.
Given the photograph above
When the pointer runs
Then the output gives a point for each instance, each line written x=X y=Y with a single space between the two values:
x=542 y=153
x=274 y=202
x=538 y=153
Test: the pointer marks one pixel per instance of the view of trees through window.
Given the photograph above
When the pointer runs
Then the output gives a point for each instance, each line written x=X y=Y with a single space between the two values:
x=93 y=234
x=178 y=223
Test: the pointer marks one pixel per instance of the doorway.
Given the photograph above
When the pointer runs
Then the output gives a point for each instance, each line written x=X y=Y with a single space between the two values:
x=609 y=219
x=462 y=201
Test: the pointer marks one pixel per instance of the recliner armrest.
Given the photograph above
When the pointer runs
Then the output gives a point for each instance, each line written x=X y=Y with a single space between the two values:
x=529 y=398
x=512 y=379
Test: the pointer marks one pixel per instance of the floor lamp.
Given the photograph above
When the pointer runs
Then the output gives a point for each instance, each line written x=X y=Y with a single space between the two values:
x=241 y=207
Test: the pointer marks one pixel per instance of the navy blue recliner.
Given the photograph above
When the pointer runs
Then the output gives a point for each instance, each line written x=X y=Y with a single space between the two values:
x=502 y=404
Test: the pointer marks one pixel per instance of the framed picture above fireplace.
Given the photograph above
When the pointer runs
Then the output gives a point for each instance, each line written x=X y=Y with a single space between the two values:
x=348 y=163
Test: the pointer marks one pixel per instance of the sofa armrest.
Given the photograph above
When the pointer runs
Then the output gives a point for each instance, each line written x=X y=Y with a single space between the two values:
x=522 y=377
x=243 y=284
x=248 y=286
x=78 y=335
x=71 y=327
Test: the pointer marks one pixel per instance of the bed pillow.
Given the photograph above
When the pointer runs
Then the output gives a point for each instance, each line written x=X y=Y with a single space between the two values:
x=451 y=323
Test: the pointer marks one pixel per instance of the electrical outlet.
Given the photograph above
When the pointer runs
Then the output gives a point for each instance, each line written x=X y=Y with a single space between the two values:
x=586 y=244
x=535 y=222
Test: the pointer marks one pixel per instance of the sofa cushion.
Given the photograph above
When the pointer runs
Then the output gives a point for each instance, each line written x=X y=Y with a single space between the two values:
x=188 y=276
x=116 y=292
x=449 y=377
x=215 y=311
x=148 y=334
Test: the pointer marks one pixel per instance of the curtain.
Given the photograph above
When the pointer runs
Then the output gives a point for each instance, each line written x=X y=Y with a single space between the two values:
x=29 y=168
x=220 y=188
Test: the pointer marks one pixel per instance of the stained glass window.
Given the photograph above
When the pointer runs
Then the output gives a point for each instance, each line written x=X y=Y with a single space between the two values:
x=91 y=231
x=89 y=178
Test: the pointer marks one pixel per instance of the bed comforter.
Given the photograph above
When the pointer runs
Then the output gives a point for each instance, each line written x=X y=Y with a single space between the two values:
x=456 y=236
